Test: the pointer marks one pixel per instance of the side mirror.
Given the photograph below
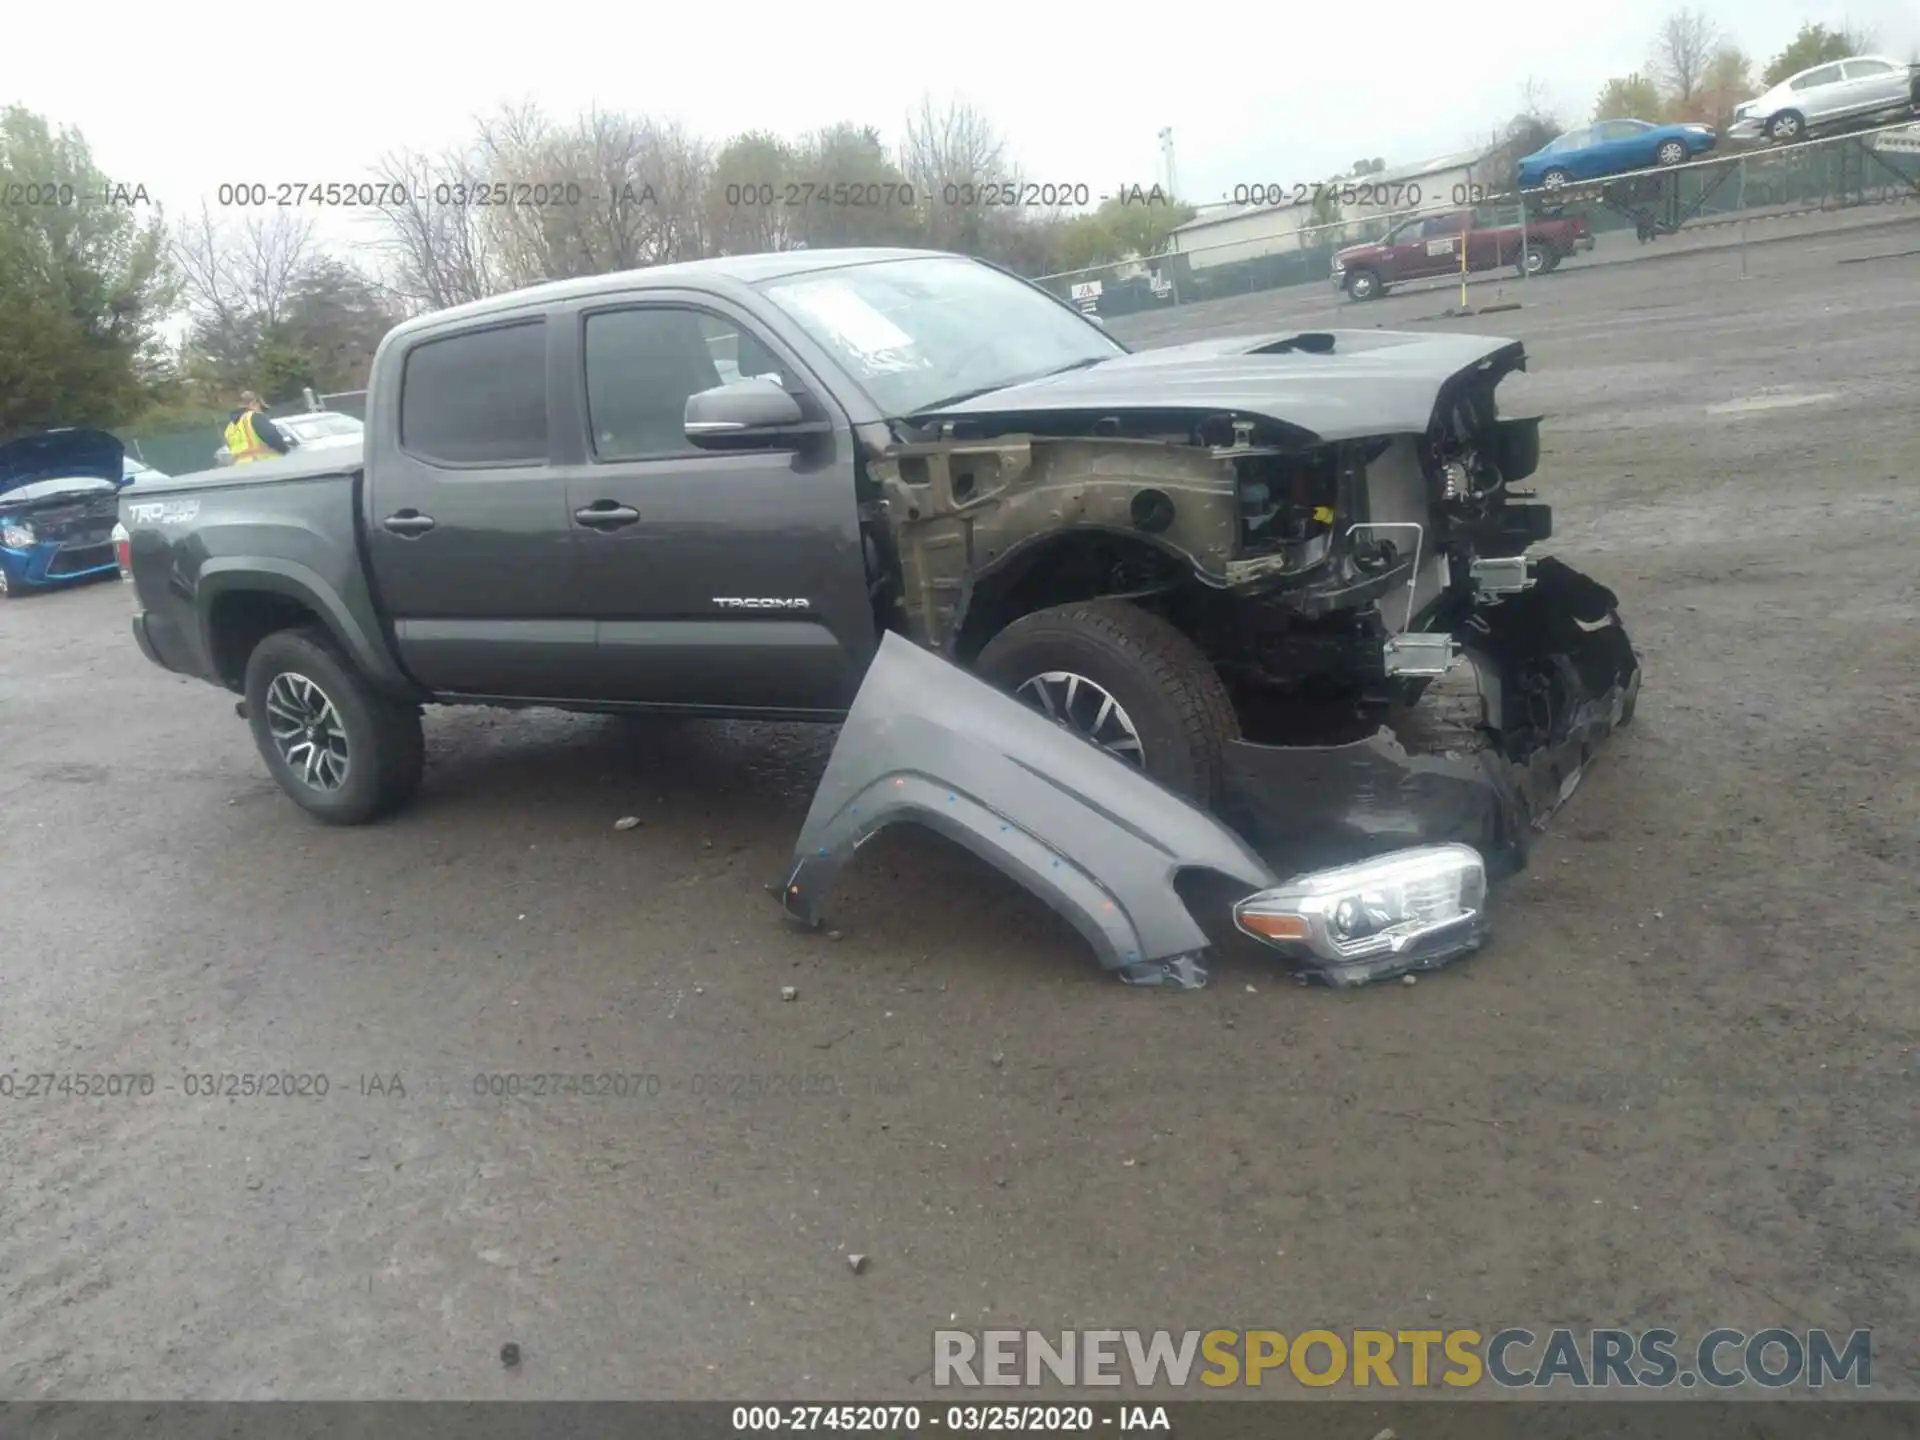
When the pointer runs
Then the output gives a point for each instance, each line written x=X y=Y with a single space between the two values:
x=748 y=414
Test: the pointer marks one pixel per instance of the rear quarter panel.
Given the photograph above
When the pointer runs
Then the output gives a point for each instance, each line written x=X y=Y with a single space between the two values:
x=284 y=528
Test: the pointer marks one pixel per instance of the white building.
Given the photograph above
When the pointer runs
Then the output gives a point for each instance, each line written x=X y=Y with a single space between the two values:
x=1222 y=235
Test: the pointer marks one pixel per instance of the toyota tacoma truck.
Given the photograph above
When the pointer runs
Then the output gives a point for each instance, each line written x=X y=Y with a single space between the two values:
x=1284 y=576
x=1428 y=246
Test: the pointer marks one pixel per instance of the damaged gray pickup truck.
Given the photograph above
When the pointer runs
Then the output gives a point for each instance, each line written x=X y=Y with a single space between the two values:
x=1252 y=605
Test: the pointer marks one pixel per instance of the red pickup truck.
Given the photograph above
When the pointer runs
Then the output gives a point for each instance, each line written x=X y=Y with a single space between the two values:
x=1429 y=245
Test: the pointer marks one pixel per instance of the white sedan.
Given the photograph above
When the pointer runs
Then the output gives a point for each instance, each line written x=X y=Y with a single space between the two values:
x=1857 y=88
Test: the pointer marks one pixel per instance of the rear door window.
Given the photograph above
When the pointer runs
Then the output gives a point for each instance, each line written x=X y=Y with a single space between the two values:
x=478 y=398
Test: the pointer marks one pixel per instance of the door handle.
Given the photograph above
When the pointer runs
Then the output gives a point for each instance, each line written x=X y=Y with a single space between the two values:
x=606 y=515
x=408 y=523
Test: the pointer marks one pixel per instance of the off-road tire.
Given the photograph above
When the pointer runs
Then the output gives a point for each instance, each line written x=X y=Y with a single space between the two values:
x=1175 y=698
x=386 y=746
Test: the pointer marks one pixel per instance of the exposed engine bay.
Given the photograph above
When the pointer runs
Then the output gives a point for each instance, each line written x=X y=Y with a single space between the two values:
x=1334 y=559
x=1293 y=560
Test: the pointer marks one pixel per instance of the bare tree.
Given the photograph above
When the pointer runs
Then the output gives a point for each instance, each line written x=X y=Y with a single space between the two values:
x=610 y=192
x=1682 y=52
x=437 y=250
x=246 y=272
x=241 y=280
x=1536 y=103
x=949 y=151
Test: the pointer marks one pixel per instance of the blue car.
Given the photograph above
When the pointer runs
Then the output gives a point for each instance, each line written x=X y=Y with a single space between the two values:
x=1612 y=147
x=59 y=503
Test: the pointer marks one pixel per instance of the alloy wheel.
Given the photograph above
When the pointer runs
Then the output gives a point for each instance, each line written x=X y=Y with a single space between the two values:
x=1086 y=709
x=307 y=731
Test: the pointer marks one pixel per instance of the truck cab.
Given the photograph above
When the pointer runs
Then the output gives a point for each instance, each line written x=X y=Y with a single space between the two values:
x=541 y=527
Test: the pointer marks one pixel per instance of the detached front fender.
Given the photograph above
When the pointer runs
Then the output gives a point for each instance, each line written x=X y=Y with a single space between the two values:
x=1094 y=838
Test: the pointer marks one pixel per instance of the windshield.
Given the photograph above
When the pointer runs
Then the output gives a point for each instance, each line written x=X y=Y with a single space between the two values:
x=917 y=334
x=48 y=489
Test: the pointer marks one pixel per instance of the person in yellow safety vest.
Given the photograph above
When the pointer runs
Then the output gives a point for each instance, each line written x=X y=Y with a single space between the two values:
x=251 y=435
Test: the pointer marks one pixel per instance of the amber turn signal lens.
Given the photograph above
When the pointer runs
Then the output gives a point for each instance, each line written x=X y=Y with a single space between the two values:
x=1275 y=927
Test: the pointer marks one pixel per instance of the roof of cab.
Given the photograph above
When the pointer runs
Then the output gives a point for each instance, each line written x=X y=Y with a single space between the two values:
x=737 y=269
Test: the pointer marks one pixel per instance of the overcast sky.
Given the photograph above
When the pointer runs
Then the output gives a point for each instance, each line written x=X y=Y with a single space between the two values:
x=182 y=96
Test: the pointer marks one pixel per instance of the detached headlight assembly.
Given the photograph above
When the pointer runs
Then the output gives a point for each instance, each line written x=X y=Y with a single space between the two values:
x=1413 y=909
x=16 y=536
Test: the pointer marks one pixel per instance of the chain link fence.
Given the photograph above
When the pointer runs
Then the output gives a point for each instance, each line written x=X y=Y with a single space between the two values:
x=178 y=450
x=182 y=449
x=1880 y=167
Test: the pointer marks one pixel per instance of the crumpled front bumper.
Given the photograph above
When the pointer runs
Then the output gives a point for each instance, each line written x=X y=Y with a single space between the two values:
x=1492 y=750
x=1548 y=672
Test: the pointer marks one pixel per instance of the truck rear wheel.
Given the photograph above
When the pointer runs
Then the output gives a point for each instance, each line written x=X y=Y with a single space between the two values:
x=342 y=751
x=1126 y=680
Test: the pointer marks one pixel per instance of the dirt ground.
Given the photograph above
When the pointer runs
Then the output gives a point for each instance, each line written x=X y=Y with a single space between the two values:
x=1678 y=1089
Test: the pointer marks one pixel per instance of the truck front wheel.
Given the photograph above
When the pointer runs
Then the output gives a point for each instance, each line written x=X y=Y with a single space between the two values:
x=342 y=751
x=1125 y=680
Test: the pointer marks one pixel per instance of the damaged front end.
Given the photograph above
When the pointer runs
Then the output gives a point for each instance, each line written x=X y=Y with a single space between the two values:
x=1332 y=522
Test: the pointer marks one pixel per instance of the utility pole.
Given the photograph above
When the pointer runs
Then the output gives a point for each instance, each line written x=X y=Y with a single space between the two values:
x=1166 y=156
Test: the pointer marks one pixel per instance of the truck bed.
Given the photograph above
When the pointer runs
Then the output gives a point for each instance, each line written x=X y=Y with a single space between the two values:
x=289 y=528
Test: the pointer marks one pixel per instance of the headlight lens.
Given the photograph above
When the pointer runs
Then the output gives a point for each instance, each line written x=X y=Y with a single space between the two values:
x=1392 y=905
x=16 y=536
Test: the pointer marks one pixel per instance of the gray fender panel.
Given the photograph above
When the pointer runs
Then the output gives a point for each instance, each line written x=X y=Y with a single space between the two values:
x=1098 y=841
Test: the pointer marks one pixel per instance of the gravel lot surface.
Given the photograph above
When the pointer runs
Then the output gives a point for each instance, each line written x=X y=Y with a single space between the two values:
x=1678 y=1089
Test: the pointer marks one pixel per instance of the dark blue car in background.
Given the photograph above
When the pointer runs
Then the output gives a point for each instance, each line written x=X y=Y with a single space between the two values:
x=1612 y=147
x=59 y=501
